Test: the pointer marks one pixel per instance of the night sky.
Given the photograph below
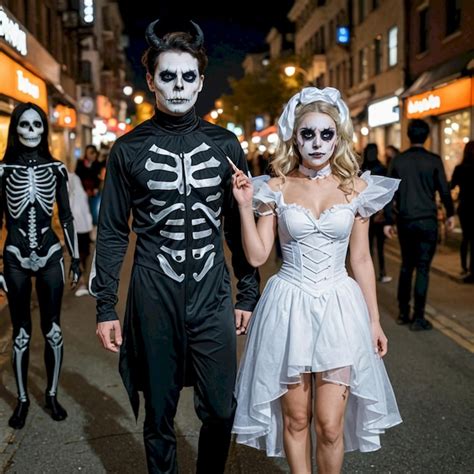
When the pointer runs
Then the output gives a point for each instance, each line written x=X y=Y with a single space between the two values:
x=228 y=37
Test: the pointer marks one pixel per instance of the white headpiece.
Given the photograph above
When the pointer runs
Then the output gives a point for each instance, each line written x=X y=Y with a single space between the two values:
x=308 y=95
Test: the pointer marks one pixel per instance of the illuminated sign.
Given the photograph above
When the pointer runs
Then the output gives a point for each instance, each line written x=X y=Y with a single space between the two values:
x=104 y=108
x=20 y=84
x=418 y=106
x=64 y=116
x=11 y=32
x=343 y=35
x=455 y=96
x=259 y=123
x=87 y=12
x=384 y=112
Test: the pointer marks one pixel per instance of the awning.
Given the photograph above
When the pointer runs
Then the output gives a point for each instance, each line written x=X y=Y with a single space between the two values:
x=447 y=71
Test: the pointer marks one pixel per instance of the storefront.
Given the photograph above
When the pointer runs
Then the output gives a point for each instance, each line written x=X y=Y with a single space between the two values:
x=63 y=122
x=29 y=73
x=449 y=110
x=384 y=123
x=17 y=84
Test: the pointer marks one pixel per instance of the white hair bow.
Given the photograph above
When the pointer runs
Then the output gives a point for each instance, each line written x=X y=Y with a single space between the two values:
x=308 y=95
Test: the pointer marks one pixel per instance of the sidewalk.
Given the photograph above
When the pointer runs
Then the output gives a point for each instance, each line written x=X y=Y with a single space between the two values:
x=450 y=306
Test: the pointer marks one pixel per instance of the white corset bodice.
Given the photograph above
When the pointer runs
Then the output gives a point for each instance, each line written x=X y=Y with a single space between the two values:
x=314 y=248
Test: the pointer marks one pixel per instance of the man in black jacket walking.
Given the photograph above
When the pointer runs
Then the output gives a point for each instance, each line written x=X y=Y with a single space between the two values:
x=172 y=173
x=422 y=174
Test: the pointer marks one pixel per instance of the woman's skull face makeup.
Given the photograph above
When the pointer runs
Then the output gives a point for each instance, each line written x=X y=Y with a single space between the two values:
x=176 y=82
x=316 y=138
x=30 y=128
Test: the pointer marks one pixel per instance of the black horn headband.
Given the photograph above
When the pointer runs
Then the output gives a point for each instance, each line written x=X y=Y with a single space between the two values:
x=155 y=42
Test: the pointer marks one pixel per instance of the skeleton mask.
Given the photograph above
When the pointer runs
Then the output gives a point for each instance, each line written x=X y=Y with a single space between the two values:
x=316 y=138
x=30 y=128
x=176 y=82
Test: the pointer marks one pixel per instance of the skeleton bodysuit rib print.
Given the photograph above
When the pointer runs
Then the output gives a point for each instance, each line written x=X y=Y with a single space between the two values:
x=31 y=182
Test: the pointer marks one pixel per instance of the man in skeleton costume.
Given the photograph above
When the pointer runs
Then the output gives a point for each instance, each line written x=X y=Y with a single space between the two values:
x=31 y=181
x=172 y=172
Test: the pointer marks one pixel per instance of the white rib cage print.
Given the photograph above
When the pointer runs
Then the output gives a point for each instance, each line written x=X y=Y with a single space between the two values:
x=204 y=219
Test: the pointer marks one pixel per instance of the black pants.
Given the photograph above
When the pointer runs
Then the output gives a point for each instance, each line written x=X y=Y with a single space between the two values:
x=184 y=341
x=467 y=243
x=376 y=233
x=418 y=239
x=49 y=290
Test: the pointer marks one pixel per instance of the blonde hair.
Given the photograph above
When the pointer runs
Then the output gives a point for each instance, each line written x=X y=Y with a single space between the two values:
x=344 y=161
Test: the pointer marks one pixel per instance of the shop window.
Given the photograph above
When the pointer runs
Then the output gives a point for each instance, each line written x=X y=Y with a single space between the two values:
x=423 y=31
x=453 y=16
x=363 y=65
x=378 y=55
x=393 y=46
x=350 y=72
x=323 y=40
x=455 y=133
x=361 y=10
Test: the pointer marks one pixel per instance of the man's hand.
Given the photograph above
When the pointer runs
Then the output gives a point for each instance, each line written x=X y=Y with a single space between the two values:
x=242 y=319
x=450 y=223
x=110 y=335
x=389 y=231
x=3 y=283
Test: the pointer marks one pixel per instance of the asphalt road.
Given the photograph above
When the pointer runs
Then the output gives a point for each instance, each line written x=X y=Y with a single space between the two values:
x=433 y=378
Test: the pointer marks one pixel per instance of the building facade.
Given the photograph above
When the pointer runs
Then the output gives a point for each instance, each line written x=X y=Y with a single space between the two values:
x=43 y=60
x=441 y=63
x=357 y=46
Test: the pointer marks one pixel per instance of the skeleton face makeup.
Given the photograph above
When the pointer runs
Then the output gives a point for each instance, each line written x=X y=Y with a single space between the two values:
x=316 y=138
x=176 y=82
x=30 y=128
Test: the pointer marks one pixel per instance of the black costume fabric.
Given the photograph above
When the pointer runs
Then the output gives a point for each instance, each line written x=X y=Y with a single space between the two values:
x=30 y=184
x=179 y=329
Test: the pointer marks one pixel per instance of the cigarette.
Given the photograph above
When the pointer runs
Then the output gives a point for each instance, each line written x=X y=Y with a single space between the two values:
x=232 y=165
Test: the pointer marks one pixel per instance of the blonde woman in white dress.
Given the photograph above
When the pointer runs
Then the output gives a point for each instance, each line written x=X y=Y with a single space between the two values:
x=315 y=343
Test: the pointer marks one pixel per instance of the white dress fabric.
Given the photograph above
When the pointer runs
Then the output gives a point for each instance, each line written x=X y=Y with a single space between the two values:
x=312 y=317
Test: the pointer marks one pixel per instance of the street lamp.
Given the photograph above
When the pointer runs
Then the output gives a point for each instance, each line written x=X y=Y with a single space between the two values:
x=138 y=99
x=128 y=90
x=291 y=70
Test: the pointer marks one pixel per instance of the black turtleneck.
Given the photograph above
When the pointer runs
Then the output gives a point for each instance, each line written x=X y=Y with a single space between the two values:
x=176 y=124
x=173 y=175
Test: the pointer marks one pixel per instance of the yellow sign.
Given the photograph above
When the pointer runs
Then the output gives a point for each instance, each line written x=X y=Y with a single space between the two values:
x=20 y=84
x=455 y=96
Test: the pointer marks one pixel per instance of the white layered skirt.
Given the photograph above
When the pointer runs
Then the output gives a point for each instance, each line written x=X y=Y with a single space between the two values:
x=293 y=332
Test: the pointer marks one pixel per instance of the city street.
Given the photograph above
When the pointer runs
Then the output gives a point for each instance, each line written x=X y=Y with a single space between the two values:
x=432 y=376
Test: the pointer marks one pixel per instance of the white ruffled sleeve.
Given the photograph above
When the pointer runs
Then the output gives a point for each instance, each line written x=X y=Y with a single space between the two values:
x=264 y=200
x=376 y=195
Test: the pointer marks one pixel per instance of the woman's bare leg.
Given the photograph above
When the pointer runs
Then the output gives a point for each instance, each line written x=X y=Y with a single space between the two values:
x=296 y=409
x=330 y=404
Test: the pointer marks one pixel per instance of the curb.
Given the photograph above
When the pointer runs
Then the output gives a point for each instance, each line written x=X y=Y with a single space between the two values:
x=451 y=329
x=443 y=323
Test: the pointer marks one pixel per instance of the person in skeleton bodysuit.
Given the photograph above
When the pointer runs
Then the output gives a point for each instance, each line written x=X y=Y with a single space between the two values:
x=31 y=181
x=172 y=172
